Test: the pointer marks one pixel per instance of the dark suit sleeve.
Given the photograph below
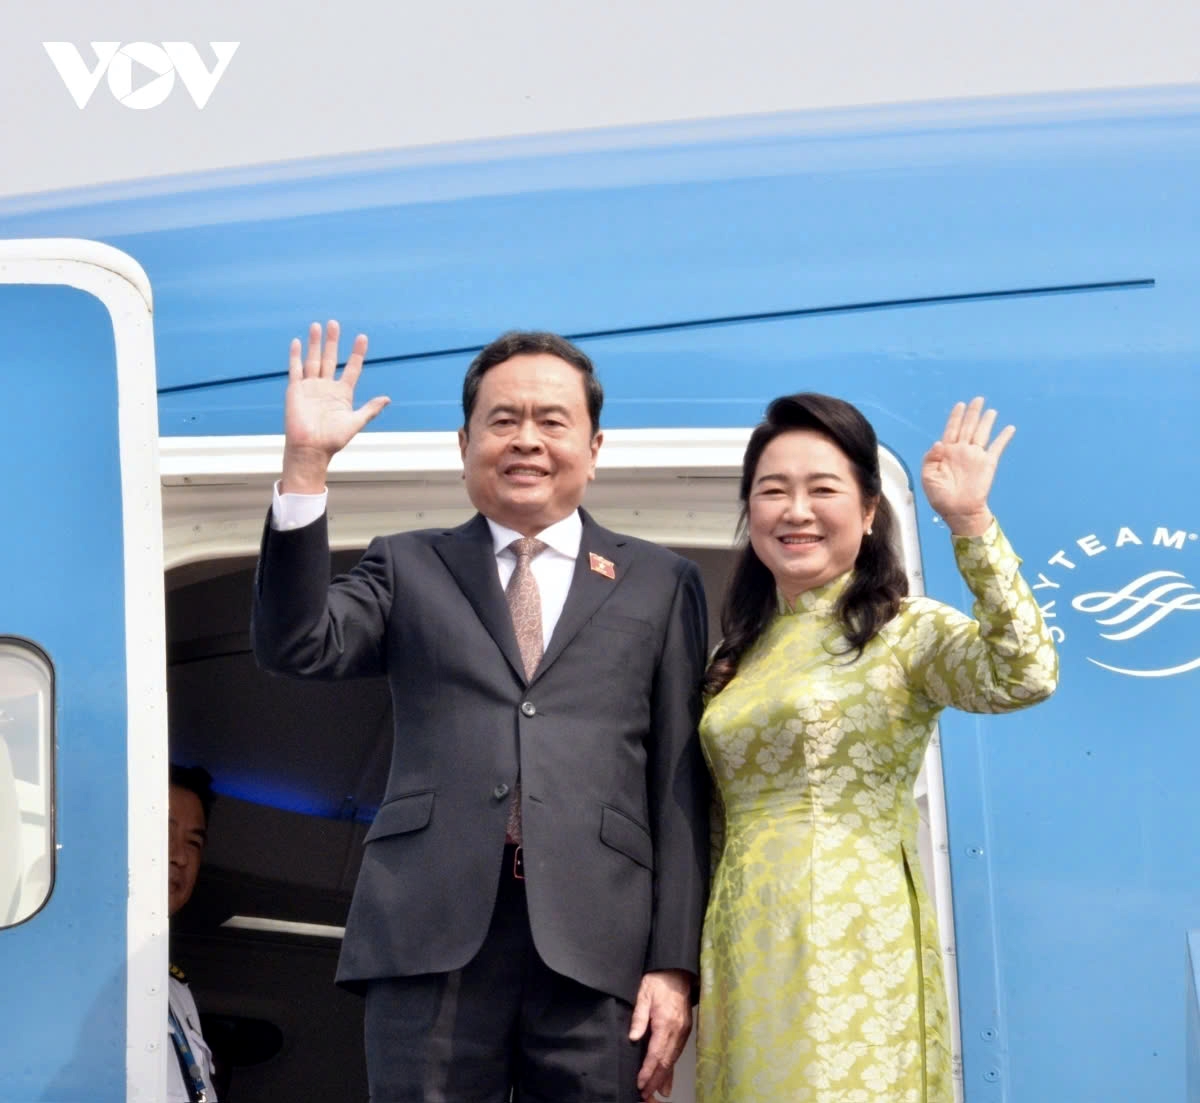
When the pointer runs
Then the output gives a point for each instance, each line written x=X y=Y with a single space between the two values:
x=679 y=784
x=304 y=625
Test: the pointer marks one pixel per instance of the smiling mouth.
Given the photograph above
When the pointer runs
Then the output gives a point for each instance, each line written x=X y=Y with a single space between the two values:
x=524 y=473
x=800 y=541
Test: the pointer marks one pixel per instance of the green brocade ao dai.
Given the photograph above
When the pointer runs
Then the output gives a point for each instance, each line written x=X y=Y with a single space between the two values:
x=821 y=969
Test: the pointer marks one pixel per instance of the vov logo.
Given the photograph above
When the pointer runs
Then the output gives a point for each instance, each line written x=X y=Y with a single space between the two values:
x=140 y=75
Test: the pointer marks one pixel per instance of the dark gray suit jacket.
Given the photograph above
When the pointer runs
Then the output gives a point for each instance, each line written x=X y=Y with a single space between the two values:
x=614 y=788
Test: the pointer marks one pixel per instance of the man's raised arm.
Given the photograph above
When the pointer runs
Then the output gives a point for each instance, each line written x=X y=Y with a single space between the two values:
x=299 y=624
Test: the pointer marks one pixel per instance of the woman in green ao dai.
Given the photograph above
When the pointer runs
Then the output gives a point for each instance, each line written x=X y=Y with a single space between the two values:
x=821 y=972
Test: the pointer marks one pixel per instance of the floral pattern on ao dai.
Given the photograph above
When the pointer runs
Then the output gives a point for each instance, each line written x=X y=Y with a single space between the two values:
x=821 y=969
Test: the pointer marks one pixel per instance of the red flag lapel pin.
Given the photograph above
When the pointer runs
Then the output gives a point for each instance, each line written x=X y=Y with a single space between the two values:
x=601 y=565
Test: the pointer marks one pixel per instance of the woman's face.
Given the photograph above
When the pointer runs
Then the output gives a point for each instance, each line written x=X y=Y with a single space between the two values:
x=806 y=513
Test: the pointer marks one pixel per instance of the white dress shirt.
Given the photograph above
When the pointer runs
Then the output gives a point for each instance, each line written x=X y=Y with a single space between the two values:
x=553 y=568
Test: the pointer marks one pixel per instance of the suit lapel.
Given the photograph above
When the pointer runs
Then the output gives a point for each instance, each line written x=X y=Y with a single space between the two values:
x=470 y=557
x=589 y=588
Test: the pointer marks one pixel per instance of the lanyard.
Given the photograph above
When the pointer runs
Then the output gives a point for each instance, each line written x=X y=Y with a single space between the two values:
x=192 y=1077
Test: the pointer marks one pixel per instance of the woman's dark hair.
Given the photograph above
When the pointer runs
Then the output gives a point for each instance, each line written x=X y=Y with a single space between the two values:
x=873 y=596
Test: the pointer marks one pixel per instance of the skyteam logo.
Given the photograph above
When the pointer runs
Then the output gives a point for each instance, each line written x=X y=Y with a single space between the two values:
x=1129 y=602
x=141 y=75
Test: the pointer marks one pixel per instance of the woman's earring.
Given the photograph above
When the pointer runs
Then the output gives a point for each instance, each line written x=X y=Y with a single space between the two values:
x=869 y=531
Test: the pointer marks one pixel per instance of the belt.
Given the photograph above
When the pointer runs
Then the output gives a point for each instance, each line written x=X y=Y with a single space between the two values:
x=514 y=861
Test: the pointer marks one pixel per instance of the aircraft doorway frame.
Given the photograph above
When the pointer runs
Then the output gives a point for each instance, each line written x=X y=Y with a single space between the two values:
x=216 y=491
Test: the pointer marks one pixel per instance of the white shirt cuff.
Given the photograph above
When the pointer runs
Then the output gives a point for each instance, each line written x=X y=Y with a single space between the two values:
x=294 y=511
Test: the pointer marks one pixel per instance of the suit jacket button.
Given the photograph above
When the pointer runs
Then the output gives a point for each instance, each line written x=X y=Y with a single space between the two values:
x=500 y=792
x=527 y=708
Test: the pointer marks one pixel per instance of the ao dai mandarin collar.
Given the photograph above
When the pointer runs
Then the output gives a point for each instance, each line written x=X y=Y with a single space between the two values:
x=820 y=600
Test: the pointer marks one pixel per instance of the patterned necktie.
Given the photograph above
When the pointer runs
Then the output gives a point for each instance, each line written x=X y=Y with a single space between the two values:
x=525 y=605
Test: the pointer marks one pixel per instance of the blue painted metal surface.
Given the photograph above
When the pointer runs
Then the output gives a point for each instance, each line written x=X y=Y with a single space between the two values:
x=64 y=970
x=1047 y=258
x=1193 y=1017
x=691 y=223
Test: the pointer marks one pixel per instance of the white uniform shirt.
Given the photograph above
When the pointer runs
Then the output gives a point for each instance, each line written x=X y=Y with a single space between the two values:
x=180 y=998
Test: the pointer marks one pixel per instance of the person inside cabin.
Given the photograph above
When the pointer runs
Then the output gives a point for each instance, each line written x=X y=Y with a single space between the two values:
x=527 y=914
x=821 y=973
x=189 y=1062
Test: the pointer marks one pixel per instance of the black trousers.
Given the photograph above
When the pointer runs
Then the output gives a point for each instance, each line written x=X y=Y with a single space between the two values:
x=503 y=1027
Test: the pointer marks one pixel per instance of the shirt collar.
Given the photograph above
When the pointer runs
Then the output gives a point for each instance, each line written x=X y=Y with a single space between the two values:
x=563 y=536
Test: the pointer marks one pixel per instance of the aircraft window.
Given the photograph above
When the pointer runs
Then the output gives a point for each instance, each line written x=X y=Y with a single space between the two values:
x=26 y=780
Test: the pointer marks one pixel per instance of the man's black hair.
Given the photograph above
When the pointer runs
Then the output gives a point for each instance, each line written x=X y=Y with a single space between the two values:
x=527 y=343
x=195 y=779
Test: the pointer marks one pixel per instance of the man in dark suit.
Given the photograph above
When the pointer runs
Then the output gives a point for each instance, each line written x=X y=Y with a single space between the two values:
x=528 y=911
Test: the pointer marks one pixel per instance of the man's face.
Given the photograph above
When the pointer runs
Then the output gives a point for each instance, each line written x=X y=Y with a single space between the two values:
x=529 y=452
x=187 y=835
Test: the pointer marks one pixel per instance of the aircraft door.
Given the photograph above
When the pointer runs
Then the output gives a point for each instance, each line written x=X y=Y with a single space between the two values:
x=82 y=686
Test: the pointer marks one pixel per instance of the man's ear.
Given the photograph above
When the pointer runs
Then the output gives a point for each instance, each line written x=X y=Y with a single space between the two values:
x=597 y=440
x=462 y=450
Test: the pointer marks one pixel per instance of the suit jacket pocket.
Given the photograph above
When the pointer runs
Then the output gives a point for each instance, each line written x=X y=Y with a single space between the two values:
x=618 y=622
x=626 y=835
x=401 y=814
